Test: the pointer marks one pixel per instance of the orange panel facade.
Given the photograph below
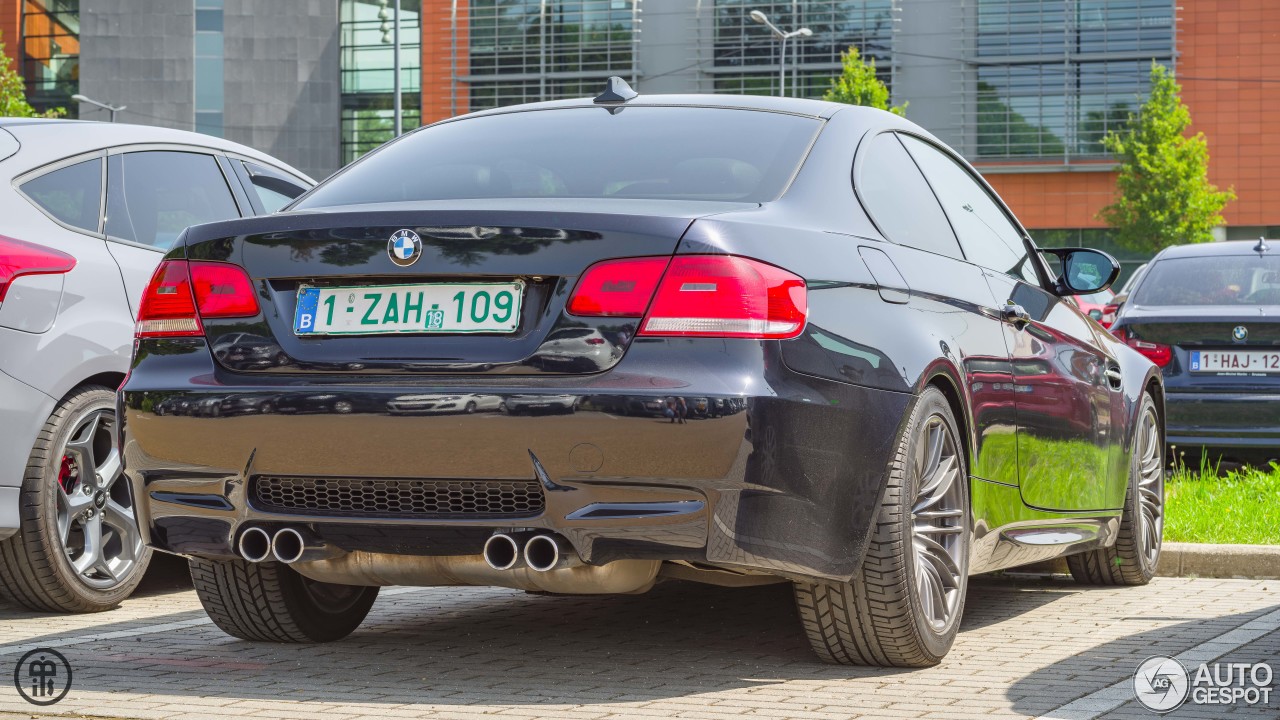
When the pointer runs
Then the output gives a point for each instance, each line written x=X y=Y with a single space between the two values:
x=1229 y=69
x=438 y=101
x=1056 y=200
x=1230 y=74
x=10 y=18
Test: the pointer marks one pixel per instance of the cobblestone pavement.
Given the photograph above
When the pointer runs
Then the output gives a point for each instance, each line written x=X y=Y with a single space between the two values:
x=1028 y=648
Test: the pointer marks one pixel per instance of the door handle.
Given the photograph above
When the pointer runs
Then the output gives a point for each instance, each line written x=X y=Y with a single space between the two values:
x=1114 y=377
x=1015 y=314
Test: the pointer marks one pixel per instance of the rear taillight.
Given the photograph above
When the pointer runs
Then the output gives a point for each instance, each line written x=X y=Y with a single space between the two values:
x=182 y=292
x=727 y=296
x=18 y=258
x=617 y=288
x=1158 y=353
x=222 y=290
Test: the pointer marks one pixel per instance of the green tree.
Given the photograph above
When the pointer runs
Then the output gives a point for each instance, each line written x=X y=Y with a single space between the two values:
x=1165 y=197
x=13 y=96
x=858 y=85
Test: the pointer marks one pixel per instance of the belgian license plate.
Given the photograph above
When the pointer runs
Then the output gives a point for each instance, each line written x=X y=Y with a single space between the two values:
x=1235 y=361
x=426 y=308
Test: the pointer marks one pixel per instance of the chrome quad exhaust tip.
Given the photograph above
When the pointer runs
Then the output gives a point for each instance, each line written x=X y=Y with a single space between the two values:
x=503 y=551
x=291 y=545
x=254 y=545
x=288 y=545
x=544 y=553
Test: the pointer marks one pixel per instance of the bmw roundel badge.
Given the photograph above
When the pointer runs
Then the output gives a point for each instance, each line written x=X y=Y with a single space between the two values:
x=404 y=247
x=1240 y=333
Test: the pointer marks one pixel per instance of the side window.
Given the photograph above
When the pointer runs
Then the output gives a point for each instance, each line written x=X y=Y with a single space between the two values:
x=900 y=200
x=988 y=238
x=153 y=196
x=273 y=189
x=72 y=194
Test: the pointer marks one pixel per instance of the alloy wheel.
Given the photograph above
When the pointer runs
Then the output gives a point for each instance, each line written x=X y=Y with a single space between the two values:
x=95 y=519
x=937 y=524
x=1150 y=486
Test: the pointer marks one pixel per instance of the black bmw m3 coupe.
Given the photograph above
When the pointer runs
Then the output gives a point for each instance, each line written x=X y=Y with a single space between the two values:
x=729 y=340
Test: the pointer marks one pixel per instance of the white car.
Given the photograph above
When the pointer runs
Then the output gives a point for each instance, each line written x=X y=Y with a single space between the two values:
x=436 y=403
x=584 y=349
x=86 y=212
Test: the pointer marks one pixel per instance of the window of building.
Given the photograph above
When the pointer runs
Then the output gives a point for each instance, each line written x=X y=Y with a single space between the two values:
x=209 y=67
x=368 y=72
x=51 y=53
x=528 y=50
x=1053 y=76
x=745 y=55
x=72 y=194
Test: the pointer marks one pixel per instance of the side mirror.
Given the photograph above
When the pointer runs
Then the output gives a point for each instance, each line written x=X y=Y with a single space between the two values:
x=1084 y=271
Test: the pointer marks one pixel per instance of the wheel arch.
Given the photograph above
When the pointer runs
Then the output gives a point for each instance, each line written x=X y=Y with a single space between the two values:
x=945 y=378
x=110 y=380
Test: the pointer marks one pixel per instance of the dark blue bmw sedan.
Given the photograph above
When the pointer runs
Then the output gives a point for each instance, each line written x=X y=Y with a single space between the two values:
x=592 y=345
x=1209 y=316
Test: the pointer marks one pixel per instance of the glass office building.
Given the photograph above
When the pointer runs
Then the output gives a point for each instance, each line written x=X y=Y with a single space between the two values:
x=527 y=50
x=368 y=71
x=51 y=53
x=745 y=57
x=1054 y=76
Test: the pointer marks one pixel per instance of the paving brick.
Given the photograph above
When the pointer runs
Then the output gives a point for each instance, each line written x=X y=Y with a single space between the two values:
x=1025 y=648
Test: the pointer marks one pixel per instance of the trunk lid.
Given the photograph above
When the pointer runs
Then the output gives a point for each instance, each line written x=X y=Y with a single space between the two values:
x=1234 y=334
x=539 y=247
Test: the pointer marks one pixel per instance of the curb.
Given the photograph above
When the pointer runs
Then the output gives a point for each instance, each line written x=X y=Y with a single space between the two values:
x=1249 y=562
x=1257 y=562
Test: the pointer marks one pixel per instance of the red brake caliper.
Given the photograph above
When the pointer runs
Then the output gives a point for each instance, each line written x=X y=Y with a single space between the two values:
x=68 y=473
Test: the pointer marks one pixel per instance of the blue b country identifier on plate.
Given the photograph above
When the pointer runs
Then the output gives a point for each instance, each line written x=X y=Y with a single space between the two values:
x=425 y=308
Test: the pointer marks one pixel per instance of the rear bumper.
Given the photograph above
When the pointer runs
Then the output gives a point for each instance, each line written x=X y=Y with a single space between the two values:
x=787 y=480
x=23 y=411
x=1223 y=420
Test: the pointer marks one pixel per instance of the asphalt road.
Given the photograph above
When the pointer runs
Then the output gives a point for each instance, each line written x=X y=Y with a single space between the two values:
x=1028 y=648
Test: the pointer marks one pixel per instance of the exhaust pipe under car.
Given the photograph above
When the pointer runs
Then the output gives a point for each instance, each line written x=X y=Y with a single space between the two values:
x=291 y=545
x=503 y=551
x=254 y=545
x=287 y=546
x=544 y=553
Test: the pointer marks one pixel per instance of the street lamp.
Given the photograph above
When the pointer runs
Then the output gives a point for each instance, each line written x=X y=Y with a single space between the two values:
x=395 y=41
x=763 y=19
x=105 y=106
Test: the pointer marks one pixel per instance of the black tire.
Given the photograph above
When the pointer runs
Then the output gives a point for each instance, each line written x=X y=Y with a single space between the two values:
x=471 y=407
x=878 y=618
x=1132 y=560
x=35 y=571
x=272 y=602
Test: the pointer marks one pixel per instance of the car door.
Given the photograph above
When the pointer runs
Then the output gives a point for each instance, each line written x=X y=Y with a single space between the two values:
x=1062 y=385
x=947 y=293
x=152 y=196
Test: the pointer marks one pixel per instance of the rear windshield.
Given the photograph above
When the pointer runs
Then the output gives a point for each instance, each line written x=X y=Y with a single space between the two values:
x=1231 y=280
x=640 y=152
